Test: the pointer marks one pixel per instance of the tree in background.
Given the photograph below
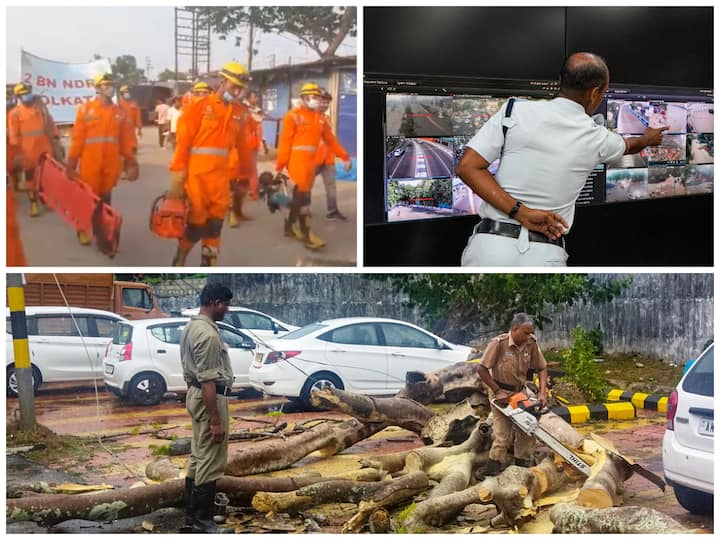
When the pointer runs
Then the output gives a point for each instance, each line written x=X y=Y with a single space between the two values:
x=169 y=75
x=462 y=307
x=322 y=28
x=126 y=71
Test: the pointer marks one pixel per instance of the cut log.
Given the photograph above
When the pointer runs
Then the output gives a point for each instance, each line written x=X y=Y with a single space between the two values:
x=455 y=382
x=605 y=486
x=401 y=412
x=399 y=490
x=127 y=502
x=437 y=511
x=454 y=425
x=278 y=454
x=572 y=519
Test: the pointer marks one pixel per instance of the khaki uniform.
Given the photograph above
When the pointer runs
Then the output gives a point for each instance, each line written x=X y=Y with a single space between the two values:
x=205 y=358
x=508 y=364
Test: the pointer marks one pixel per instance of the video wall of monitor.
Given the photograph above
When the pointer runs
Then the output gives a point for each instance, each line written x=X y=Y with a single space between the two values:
x=427 y=127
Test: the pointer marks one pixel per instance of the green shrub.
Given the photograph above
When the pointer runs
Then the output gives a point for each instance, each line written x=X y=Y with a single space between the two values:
x=580 y=367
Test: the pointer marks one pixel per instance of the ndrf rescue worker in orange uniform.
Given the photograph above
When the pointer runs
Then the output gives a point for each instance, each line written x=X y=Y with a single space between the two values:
x=30 y=134
x=131 y=110
x=102 y=137
x=302 y=130
x=15 y=254
x=326 y=166
x=209 y=128
x=199 y=89
x=240 y=170
x=252 y=102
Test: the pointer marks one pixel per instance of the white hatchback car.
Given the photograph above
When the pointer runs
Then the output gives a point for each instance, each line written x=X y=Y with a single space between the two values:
x=688 y=459
x=258 y=325
x=142 y=361
x=58 y=351
x=360 y=354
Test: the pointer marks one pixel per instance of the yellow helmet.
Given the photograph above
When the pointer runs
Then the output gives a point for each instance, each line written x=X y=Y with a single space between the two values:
x=310 y=89
x=124 y=88
x=103 y=78
x=201 y=87
x=22 y=89
x=236 y=73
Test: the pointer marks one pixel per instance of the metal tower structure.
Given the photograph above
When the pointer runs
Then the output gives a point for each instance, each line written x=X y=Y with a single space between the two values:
x=192 y=38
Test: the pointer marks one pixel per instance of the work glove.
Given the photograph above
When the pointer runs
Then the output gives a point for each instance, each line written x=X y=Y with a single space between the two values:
x=132 y=169
x=71 y=167
x=176 y=189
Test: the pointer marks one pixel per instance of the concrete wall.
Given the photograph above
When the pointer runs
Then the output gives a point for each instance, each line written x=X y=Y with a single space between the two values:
x=669 y=316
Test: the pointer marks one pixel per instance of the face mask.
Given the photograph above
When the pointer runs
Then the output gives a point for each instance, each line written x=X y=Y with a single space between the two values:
x=228 y=97
x=106 y=92
x=126 y=96
x=27 y=98
x=313 y=104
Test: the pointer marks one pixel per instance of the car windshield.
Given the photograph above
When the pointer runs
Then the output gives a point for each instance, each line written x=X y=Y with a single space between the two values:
x=699 y=379
x=304 y=331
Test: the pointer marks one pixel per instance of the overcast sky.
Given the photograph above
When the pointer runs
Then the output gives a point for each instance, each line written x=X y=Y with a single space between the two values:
x=74 y=34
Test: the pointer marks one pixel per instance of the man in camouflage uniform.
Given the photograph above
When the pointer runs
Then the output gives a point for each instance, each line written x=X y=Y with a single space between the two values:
x=208 y=374
x=503 y=368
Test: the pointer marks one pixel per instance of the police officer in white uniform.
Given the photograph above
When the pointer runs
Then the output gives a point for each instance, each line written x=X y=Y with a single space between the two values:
x=546 y=153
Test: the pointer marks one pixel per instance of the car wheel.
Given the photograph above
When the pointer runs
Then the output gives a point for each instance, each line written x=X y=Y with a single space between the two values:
x=146 y=388
x=694 y=501
x=319 y=381
x=11 y=382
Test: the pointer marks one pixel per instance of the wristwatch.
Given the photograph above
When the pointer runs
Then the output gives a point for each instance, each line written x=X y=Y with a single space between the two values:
x=514 y=209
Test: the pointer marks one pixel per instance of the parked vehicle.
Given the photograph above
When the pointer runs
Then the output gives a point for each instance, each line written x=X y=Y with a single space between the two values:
x=688 y=459
x=58 y=351
x=259 y=325
x=361 y=354
x=142 y=361
x=128 y=299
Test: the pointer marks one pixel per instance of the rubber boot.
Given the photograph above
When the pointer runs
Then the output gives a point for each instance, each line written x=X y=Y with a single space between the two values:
x=527 y=463
x=35 y=210
x=203 y=506
x=208 y=256
x=293 y=231
x=492 y=468
x=310 y=239
x=236 y=213
x=180 y=256
x=83 y=238
x=187 y=500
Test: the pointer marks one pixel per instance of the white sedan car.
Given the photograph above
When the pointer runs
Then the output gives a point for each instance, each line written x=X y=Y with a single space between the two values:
x=688 y=459
x=258 y=325
x=365 y=355
x=143 y=360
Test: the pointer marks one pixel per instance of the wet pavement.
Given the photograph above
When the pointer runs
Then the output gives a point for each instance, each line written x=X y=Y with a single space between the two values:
x=68 y=410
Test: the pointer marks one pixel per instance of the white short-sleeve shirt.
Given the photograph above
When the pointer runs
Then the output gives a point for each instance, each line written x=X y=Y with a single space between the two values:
x=550 y=148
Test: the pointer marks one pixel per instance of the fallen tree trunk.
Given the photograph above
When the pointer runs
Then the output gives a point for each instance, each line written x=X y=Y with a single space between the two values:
x=390 y=463
x=401 y=412
x=126 y=502
x=569 y=518
x=278 y=454
x=454 y=383
x=452 y=426
x=399 y=490
x=439 y=510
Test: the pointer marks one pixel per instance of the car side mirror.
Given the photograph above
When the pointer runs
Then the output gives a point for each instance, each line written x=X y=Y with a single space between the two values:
x=248 y=344
x=275 y=328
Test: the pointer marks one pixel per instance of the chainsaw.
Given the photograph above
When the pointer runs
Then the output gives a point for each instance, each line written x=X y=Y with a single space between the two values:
x=524 y=412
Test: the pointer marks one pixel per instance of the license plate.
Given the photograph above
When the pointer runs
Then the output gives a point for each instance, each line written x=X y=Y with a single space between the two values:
x=707 y=427
x=258 y=358
x=109 y=369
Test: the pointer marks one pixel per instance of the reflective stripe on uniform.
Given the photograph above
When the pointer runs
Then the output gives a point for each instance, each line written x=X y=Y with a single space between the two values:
x=93 y=140
x=33 y=133
x=304 y=148
x=208 y=150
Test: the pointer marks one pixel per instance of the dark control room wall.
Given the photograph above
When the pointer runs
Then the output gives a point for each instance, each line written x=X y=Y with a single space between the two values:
x=672 y=232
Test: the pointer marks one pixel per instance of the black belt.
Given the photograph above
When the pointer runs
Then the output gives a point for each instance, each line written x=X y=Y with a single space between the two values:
x=508 y=387
x=219 y=388
x=490 y=226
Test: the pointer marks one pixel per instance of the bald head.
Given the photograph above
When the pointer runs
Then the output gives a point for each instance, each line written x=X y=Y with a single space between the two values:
x=583 y=71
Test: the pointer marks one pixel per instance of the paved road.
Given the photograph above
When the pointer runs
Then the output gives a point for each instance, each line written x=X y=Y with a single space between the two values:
x=422 y=158
x=49 y=241
x=425 y=123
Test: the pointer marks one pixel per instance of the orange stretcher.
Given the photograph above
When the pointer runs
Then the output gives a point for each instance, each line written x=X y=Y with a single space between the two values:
x=78 y=205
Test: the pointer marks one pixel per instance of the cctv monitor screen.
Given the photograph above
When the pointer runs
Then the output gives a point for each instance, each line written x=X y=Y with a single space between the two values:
x=427 y=125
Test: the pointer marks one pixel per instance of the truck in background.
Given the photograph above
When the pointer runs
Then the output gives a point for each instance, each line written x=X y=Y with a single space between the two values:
x=98 y=291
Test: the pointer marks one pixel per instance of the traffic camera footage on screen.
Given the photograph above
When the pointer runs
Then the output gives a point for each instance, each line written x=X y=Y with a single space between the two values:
x=425 y=137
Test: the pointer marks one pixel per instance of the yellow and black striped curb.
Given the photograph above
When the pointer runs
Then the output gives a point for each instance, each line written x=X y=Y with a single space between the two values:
x=653 y=402
x=578 y=414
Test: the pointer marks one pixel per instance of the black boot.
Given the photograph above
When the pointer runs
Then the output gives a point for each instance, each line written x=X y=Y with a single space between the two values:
x=187 y=500
x=527 y=463
x=203 y=501
x=492 y=468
